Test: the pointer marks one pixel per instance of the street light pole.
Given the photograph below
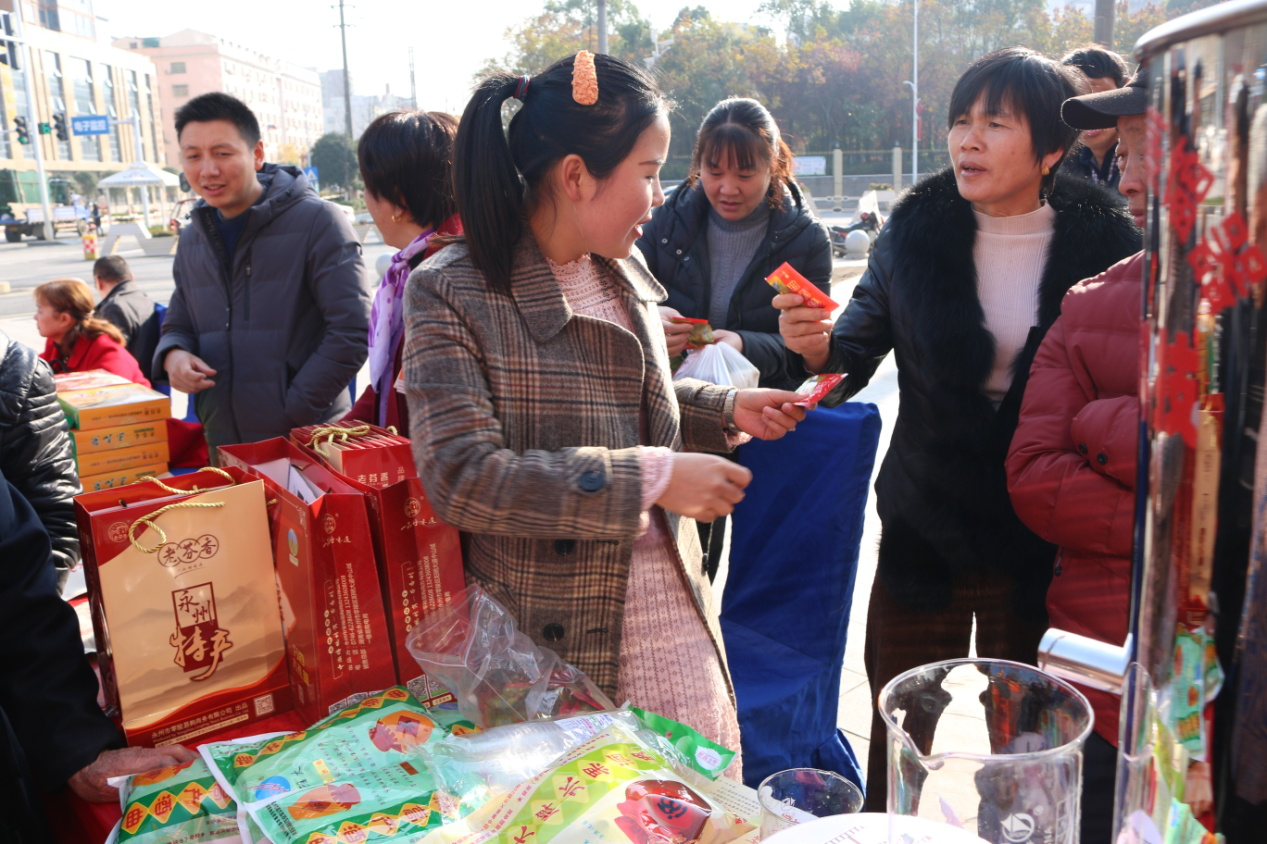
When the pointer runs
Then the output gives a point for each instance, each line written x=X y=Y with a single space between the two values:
x=602 y=26
x=37 y=142
x=347 y=82
x=915 y=97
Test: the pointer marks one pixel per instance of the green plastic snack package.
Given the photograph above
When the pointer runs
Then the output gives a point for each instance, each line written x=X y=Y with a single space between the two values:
x=700 y=754
x=381 y=730
x=179 y=803
x=611 y=789
x=397 y=803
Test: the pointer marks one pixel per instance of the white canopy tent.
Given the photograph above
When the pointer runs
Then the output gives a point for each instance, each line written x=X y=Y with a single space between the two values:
x=144 y=176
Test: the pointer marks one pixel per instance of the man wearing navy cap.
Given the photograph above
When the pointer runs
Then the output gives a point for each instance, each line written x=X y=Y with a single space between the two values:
x=1072 y=464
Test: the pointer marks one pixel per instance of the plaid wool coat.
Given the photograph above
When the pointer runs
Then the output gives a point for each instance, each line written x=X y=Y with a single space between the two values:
x=526 y=418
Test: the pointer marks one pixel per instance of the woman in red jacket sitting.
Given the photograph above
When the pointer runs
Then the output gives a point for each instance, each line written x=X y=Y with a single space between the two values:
x=76 y=340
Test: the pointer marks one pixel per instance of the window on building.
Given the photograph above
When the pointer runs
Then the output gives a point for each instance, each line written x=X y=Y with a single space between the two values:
x=180 y=90
x=53 y=62
x=149 y=101
x=177 y=67
x=85 y=103
x=115 y=137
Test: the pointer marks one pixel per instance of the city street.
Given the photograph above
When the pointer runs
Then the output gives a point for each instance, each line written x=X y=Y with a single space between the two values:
x=27 y=264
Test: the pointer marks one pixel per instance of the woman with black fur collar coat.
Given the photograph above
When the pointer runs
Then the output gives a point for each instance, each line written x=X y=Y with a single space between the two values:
x=961 y=286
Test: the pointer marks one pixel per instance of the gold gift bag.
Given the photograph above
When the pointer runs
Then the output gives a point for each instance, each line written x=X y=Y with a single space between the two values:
x=184 y=604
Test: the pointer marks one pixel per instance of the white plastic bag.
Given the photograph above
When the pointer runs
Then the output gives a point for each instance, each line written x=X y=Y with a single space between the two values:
x=719 y=363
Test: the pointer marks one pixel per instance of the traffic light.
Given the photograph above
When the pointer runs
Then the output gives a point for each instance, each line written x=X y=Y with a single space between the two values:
x=8 y=47
x=24 y=134
x=59 y=126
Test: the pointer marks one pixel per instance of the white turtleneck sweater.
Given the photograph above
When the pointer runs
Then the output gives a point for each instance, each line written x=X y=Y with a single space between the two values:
x=1010 y=254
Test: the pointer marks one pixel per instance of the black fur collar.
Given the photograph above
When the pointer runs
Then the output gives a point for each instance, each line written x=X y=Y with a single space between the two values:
x=933 y=230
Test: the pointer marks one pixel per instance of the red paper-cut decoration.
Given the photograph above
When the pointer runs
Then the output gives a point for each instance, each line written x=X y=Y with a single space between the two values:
x=1188 y=185
x=1177 y=386
x=1225 y=265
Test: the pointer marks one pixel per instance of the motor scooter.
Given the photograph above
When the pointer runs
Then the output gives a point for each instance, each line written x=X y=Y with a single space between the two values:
x=867 y=222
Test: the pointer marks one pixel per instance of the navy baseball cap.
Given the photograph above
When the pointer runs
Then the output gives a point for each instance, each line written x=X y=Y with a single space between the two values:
x=1101 y=110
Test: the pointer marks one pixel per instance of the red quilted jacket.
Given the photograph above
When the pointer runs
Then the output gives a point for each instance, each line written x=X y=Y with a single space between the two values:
x=1072 y=463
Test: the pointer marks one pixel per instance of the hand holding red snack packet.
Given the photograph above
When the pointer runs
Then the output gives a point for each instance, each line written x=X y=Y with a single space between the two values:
x=816 y=388
x=787 y=280
x=701 y=332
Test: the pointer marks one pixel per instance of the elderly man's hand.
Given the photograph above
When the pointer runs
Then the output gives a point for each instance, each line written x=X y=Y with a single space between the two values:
x=90 y=782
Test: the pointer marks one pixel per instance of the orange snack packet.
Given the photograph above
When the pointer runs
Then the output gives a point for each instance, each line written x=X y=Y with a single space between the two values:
x=701 y=332
x=787 y=280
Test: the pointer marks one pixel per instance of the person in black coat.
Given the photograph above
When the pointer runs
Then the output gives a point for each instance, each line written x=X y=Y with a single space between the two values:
x=732 y=223
x=35 y=448
x=962 y=284
x=125 y=305
x=715 y=239
x=52 y=733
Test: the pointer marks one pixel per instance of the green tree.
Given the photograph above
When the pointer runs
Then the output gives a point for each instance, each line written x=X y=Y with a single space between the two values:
x=335 y=160
x=838 y=76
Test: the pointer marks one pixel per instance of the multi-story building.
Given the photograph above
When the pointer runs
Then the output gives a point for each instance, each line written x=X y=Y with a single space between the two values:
x=285 y=97
x=74 y=72
x=364 y=107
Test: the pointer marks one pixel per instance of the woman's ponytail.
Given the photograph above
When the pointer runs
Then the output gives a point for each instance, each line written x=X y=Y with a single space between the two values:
x=498 y=174
x=487 y=186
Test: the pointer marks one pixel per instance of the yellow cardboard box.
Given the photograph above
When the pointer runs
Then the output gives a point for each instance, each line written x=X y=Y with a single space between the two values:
x=118 y=436
x=117 y=404
x=121 y=477
x=118 y=459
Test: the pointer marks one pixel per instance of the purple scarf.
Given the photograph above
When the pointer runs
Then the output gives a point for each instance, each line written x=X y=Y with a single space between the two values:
x=387 y=321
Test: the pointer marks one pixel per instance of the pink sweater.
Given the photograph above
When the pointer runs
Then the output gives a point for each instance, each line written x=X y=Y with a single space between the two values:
x=669 y=663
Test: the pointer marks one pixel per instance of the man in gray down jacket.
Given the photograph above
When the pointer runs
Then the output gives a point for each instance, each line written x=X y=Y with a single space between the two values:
x=270 y=317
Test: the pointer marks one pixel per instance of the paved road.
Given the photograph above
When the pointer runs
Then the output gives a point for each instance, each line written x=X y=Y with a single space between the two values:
x=29 y=263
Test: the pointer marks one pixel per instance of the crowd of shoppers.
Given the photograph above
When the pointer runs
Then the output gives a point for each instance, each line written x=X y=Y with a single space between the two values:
x=524 y=332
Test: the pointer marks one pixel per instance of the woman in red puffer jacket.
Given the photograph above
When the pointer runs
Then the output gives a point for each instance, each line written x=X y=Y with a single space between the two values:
x=1072 y=464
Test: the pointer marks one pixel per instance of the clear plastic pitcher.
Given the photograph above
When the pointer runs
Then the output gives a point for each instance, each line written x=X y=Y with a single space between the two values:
x=989 y=746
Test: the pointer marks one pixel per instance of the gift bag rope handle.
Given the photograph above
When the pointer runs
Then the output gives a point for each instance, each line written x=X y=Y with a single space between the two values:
x=332 y=432
x=190 y=491
x=148 y=521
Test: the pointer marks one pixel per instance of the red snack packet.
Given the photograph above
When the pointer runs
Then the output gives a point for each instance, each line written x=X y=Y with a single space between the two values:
x=816 y=387
x=787 y=280
x=701 y=332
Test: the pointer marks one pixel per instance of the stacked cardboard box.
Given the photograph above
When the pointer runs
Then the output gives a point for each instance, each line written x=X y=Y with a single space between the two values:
x=118 y=429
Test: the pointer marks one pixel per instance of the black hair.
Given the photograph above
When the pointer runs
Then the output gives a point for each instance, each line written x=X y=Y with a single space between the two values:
x=1029 y=83
x=498 y=174
x=1098 y=63
x=743 y=130
x=406 y=158
x=219 y=106
x=111 y=268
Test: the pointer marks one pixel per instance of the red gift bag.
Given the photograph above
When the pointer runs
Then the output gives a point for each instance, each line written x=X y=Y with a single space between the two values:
x=327 y=580
x=419 y=557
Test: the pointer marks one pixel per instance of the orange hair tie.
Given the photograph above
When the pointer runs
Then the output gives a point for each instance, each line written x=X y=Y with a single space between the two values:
x=584 y=79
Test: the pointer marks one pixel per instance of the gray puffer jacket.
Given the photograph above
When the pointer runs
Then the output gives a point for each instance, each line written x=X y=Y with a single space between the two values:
x=35 y=451
x=285 y=327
